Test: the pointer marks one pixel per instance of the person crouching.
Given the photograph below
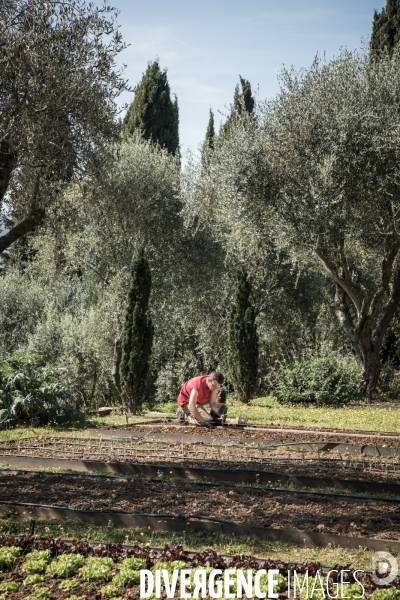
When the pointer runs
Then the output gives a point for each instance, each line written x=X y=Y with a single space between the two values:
x=198 y=392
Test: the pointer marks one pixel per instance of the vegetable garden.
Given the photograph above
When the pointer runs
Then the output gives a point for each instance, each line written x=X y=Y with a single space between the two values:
x=265 y=488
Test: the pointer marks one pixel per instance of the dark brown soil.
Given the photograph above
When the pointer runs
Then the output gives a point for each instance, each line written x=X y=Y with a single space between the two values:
x=276 y=433
x=263 y=508
x=281 y=460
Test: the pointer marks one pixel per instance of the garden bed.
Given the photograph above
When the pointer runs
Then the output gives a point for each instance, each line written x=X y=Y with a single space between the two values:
x=263 y=508
x=52 y=569
x=247 y=456
x=266 y=432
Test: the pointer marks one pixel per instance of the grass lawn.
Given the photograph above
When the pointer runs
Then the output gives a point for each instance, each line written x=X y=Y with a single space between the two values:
x=269 y=412
x=192 y=541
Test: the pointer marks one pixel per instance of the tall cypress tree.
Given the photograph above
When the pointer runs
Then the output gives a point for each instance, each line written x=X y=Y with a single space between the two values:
x=210 y=133
x=243 y=341
x=137 y=336
x=153 y=112
x=242 y=100
x=385 y=29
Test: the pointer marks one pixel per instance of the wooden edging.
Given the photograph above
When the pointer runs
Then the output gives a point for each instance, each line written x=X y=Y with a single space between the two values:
x=322 y=446
x=179 y=525
x=196 y=473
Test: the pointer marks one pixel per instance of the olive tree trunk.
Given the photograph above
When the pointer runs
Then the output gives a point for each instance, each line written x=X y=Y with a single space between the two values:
x=364 y=317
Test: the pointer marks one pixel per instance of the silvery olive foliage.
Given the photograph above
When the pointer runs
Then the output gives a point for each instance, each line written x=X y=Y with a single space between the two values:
x=79 y=279
x=59 y=86
x=316 y=174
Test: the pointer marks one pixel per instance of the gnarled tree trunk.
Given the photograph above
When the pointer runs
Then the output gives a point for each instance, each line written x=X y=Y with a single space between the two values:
x=373 y=313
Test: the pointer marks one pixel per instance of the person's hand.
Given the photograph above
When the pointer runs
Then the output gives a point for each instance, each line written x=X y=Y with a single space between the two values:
x=208 y=425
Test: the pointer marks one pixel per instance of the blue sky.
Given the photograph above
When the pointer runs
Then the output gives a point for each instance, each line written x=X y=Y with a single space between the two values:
x=206 y=45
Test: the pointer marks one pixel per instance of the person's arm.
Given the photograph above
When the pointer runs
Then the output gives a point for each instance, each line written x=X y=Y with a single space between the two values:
x=213 y=400
x=193 y=406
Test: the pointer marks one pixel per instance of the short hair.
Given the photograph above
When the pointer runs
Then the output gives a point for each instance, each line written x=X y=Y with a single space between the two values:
x=216 y=376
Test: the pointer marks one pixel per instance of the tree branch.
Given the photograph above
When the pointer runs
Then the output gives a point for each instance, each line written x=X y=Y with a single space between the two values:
x=389 y=308
x=34 y=219
x=345 y=285
x=7 y=165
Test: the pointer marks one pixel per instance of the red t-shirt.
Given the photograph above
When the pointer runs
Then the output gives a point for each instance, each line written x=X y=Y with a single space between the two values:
x=199 y=384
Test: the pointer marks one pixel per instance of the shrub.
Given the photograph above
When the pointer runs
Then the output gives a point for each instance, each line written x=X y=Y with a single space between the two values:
x=97 y=569
x=65 y=566
x=8 y=556
x=36 y=561
x=33 y=393
x=318 y=377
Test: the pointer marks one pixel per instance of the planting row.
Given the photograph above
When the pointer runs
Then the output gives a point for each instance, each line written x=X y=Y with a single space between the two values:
x=252 y=455
x=258 y=507
x=51 y=568
x=260 y=433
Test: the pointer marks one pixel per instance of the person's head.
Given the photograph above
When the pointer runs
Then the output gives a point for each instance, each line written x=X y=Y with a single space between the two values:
x=215 y=380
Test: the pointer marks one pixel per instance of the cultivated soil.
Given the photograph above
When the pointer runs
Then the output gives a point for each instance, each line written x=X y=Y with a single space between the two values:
x=274 y=433
x=264 y=508
x=280 y=460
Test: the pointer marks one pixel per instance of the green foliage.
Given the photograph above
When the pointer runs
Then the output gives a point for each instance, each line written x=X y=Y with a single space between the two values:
x=65 y=566
x=169 y=566
x=243 y=102
x=36 y=561
x=32 y=392
x=320 y=377
x=110 y=591
x=9 y=586
x=126 y=578
x=153 y=112
x=210 y=133
x=67 y=120
x=135 y=564
x=32 y=579
x=385 y=30
x=354 y=591
x=39 y=594
x=387 y=594
x=97 y=569
x=243 y=341
x=68 y=584
x=8 y=556
x=137 y=336
x=75 y=597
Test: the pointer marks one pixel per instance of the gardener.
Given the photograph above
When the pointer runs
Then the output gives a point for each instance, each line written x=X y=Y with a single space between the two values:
x=195 y=393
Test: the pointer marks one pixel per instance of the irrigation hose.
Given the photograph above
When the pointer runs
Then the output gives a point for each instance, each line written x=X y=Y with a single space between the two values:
x=7 y=407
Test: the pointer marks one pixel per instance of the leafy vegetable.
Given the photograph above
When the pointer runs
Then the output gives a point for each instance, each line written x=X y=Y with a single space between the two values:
x=36 y=561
x=65 y=566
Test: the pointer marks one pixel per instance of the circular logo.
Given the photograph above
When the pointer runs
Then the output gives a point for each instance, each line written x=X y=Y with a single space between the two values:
x=383 y=562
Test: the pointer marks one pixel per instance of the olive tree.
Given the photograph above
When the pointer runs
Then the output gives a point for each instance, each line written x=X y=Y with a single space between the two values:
x=57 y=103
x=317 y=172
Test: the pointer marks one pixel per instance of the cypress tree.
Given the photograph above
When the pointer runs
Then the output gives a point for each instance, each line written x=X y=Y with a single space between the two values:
x=153 y=112
x=137 y=336
x=385 y=29
x=243 y=341
x=210 y=133
x=242 y=100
